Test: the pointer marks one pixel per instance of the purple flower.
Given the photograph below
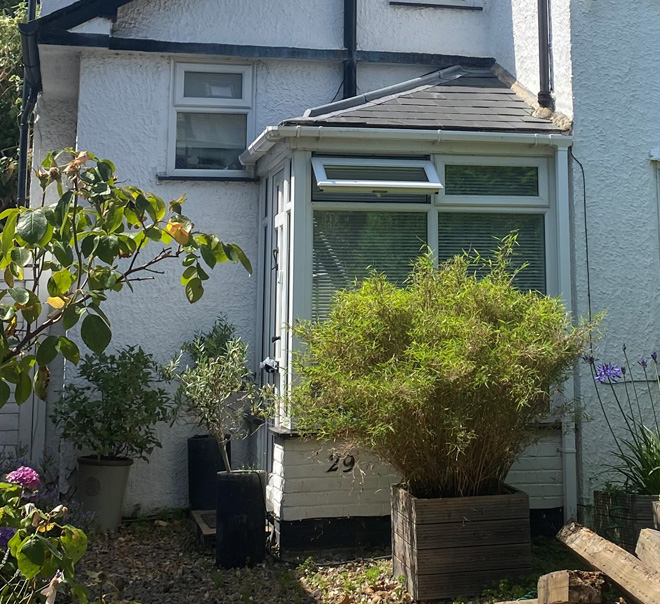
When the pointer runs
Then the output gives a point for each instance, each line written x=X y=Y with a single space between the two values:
x=24 y=476
x=623 y=370
x=654 y=356
x=6 y=534
x=588 y=359
x=607 y=373
x=644 y=363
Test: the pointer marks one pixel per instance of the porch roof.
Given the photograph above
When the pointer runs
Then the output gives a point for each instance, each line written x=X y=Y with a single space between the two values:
x=456 y=98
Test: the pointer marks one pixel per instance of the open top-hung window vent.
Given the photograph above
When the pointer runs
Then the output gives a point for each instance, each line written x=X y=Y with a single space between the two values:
x=376 y=176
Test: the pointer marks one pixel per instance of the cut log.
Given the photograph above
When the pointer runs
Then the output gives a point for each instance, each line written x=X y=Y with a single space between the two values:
x=631 y=575
x=571 y=587
x=648 y=548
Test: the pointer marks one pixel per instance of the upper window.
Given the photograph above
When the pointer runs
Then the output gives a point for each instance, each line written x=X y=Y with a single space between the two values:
x=212 y=119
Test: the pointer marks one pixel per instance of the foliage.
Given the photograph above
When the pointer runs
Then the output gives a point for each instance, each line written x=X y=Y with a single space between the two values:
x=11 y=87
x=638 y=450
x=115 y=413
x=39 y=550
x=217 y=388
x=85 y=245
x=444 y=379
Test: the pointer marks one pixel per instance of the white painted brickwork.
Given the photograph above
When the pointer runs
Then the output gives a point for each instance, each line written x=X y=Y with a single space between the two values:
x=301 y=487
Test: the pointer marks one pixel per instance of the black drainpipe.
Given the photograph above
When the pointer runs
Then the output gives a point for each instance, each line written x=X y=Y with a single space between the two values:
x=544 y=97
x=31 y=88
x=350 y=43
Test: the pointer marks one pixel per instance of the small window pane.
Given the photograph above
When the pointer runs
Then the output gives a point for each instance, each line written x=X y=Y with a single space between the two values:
x=458 y=232
x=210 y=141
x=516 y=181
x=396 y=173
x=349 y=245
x=205 y=85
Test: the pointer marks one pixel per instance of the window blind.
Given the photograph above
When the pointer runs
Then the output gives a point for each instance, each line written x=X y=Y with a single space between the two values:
x=514 y=181
x=349 y=245
x=458 y=232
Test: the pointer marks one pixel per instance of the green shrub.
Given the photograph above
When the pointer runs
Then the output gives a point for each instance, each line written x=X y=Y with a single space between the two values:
x=445 y=379
x=115 y=413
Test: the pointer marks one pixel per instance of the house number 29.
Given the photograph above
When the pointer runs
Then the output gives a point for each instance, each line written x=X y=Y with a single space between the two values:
x=348 y=463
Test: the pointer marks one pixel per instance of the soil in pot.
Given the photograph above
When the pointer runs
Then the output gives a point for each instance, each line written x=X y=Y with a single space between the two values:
x=448 y=547
x=240 y=519
x=204 y=463
x=101 y=488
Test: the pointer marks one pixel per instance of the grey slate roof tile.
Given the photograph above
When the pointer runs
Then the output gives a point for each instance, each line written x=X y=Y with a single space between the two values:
x=462 y=100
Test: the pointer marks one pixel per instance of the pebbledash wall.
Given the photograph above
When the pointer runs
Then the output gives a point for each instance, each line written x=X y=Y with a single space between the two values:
x=118 y=107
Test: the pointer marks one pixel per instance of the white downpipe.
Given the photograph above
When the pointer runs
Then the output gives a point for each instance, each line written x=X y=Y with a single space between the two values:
x=568 y=449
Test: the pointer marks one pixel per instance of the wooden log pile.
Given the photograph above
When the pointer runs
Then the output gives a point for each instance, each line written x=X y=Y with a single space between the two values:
x=637 y=576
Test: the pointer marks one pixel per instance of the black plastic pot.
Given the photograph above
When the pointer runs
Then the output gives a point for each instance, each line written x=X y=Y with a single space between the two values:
x=204 y=463
x=240 y=538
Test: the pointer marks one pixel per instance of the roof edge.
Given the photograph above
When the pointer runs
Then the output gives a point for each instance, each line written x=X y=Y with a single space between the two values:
x=436 y=77
x=80 y=12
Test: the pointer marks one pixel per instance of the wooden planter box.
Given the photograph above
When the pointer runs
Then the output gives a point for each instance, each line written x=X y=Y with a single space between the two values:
x=455 y=546
x=619 y=516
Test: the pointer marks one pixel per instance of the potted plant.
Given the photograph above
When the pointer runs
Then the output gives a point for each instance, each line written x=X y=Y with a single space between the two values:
x=217 y=389
x=626 y=507
x=112 y=418
x=445 y=379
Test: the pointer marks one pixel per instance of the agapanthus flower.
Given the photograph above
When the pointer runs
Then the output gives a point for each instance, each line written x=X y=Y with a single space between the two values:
x=607 y=373
x=644 y=362
x=26 y=477
x=587 y=358
x=6 y=533
x=654 y=356
x=623 y=370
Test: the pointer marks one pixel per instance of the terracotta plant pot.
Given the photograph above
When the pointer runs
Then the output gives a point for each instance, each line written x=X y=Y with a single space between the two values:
x=620 y=516
x=101 y=489
x=448 y=547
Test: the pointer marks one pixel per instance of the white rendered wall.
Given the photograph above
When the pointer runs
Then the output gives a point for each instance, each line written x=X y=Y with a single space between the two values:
x=306 y=24
x=616 y=87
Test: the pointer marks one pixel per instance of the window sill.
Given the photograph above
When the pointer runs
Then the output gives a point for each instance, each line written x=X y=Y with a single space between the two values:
x=423 y=4
x=176 y=177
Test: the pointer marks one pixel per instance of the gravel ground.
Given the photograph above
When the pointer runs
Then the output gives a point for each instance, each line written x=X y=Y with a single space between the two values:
x=159 y=562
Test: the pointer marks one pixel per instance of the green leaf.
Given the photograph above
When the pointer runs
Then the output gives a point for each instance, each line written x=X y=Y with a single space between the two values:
x=23 y=388
x=71 y=316
x=243 y=259
x=188 y=274
x=40 y=382
x=208 y=255
x=20 y=295
x=107 y=248
x=20 y=256
x=31 y=557
x=68 y=349
x=105 y=169
x=5 y=392
x=61 y=282
x=63 y=253
x=95 y=333
x=194 y=290
x=32 y=226
x=47 y=350
x=8 y=233
x=74 y=543
x=62 y=207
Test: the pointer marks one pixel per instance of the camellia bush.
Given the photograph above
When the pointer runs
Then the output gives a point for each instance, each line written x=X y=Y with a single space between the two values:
x=446 y=379
x=96 y=239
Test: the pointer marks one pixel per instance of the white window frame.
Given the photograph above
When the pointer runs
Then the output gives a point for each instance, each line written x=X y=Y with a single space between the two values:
x=181 y=104
x=432 y=185
x=477 y=204
x=542 y=199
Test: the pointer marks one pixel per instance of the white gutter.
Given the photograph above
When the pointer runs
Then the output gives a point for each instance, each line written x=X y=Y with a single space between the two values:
x=274 y=134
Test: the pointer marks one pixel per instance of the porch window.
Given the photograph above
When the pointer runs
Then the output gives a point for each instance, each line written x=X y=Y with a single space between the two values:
x=211 y=119
x=359 y=227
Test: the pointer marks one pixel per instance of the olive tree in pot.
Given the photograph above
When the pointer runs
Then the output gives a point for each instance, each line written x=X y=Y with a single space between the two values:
x=217 y=389
x=113 y=417
x=445 y=379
